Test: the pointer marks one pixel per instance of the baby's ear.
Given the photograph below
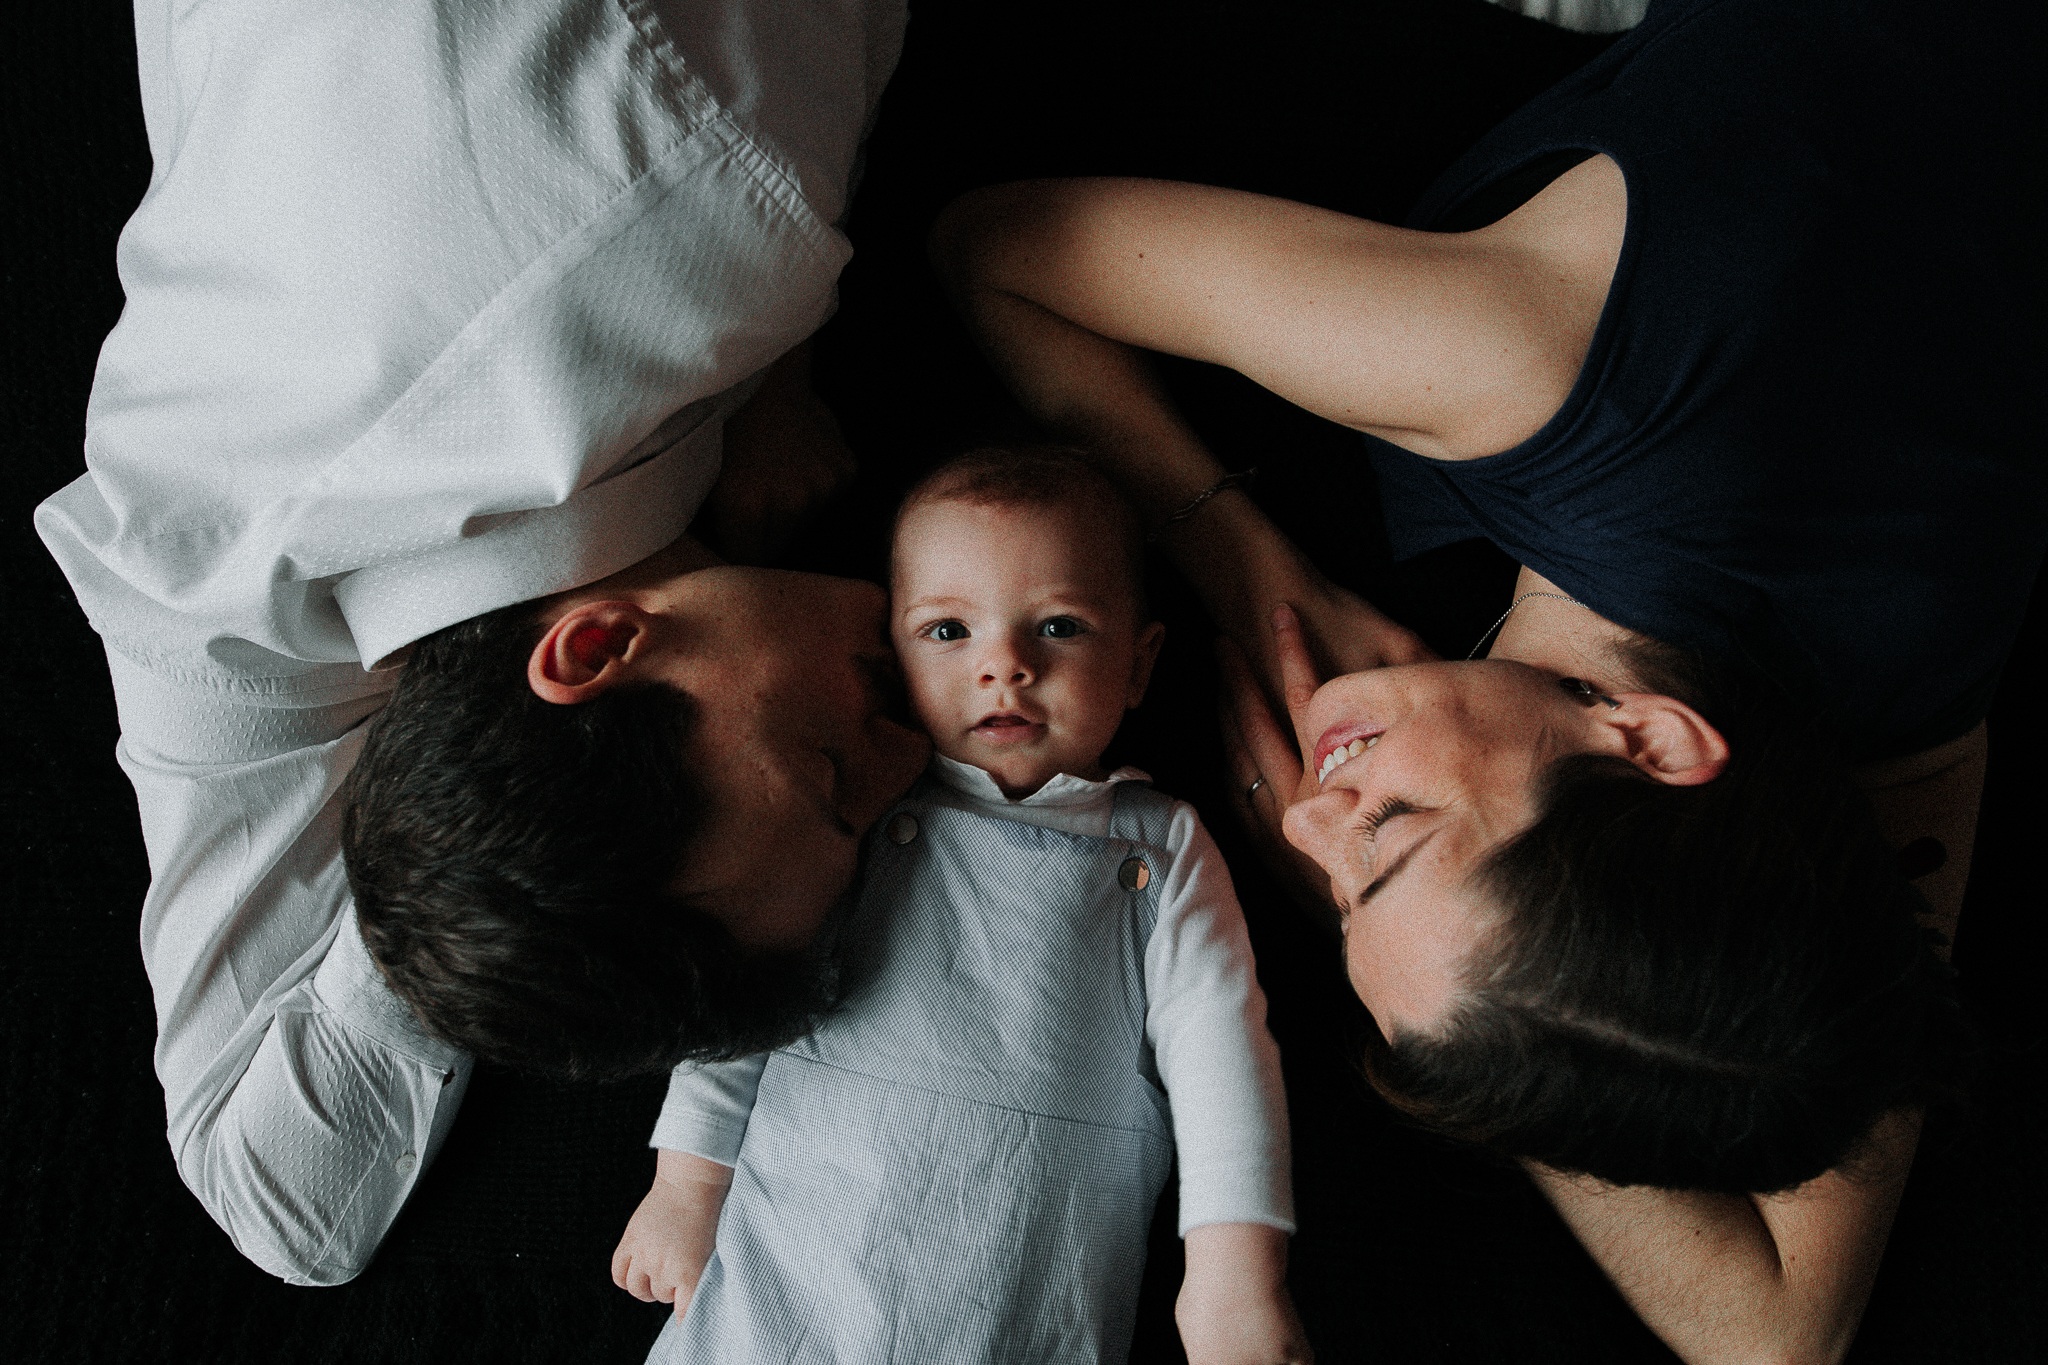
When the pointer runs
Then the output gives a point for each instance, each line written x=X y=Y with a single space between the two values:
x=1150 y=638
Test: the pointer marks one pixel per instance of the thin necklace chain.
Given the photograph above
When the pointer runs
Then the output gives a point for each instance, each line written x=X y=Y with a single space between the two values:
x=1556 y=596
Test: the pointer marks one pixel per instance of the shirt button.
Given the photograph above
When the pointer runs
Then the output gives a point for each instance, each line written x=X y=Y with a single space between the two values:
x=902 y=827
x=404 y=1164
x=1133 y=875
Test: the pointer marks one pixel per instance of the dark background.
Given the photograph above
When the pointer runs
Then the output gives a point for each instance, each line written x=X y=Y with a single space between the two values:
x=1408 y=1251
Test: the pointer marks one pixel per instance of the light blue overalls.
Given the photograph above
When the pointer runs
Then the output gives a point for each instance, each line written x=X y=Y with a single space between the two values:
x=961 y=1165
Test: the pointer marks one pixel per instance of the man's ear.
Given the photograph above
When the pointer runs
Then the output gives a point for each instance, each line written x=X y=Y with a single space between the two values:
x=588 y=650
x=1668 y=740
x=1150 y=638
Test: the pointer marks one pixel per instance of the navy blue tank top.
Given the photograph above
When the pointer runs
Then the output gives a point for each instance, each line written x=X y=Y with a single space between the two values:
x=1811 y=434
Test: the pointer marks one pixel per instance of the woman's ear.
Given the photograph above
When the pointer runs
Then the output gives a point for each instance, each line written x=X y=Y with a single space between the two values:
x=1150 y=638
x=1668 y=740
x=588 y=650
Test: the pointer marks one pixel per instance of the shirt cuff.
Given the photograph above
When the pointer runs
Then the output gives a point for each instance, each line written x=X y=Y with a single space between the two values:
x=1249 y=1191
x=352 y=988
x=707 y=1108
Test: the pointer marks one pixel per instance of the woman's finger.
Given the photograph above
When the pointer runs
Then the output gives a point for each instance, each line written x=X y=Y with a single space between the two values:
x=1299 y=676
x=1258 y=732
x=1268 y=770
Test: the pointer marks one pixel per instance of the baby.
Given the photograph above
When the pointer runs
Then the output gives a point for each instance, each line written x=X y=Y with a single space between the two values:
x=1052 y=992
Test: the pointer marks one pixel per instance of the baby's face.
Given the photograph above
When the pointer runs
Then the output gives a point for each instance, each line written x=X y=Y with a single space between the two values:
x=1019 y=635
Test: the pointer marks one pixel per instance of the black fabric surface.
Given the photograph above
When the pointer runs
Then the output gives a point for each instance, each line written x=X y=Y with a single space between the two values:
x=1409 y=1250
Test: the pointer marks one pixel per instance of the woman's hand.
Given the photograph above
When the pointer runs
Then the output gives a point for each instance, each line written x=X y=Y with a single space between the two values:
x=1246 y=569
x=1264 y=756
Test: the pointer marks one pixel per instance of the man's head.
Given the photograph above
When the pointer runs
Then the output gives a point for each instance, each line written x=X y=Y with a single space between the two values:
x=599 y=833
x=1018 y=610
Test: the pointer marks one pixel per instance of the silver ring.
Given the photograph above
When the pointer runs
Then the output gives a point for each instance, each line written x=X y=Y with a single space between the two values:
x=1253 y=789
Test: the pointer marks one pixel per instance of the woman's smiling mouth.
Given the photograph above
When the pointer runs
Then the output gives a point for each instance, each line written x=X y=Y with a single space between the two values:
x=1343 y=742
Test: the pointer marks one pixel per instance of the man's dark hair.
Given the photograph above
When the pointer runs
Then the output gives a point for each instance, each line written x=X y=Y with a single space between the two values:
x=1718 y=987
x=510 y=860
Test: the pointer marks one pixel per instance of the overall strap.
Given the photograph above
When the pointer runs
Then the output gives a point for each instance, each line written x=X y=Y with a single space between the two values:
x=1142 y=818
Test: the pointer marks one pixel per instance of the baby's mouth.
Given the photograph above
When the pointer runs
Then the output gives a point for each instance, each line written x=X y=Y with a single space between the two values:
x=1007 y=727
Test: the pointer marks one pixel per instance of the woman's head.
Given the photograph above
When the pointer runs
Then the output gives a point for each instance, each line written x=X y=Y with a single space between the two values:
x=1417 y=774
x=1624 y=940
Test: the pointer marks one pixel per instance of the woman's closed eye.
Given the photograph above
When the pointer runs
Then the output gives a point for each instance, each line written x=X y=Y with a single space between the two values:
x=1368 y=826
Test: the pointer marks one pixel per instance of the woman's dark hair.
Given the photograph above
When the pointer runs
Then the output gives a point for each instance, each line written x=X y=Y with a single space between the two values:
x=1718 y=987
x=510 y=859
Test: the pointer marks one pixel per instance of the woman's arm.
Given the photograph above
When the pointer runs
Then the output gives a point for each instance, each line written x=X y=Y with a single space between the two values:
x=1453 y=345
x=1062 y=282
x=1778 y=1278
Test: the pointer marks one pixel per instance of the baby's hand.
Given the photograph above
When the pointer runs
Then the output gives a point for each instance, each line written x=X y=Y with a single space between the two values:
x=1233 y=1307
x=669 y=1238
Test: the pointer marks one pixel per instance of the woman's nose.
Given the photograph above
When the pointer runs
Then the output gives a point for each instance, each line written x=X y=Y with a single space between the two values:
x=1316 y=826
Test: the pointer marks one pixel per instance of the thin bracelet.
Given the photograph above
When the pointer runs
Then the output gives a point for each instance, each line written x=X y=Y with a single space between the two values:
x=1228 y=481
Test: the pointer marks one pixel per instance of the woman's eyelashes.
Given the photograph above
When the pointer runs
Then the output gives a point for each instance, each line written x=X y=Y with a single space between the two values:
x=1368 y=826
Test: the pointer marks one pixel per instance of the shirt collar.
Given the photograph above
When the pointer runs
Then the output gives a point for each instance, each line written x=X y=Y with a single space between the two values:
x=1064 y=789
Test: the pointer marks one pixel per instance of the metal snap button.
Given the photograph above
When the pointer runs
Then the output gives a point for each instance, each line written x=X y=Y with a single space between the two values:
x=902 y=827
x=1133 y=875
x=404 y=1164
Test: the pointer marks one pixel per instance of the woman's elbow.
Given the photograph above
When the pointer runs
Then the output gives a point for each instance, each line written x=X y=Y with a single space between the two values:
x=977 y=232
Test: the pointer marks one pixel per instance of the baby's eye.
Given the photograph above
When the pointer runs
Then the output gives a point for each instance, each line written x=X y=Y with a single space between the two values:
x=1060 y=628
x=945 y=632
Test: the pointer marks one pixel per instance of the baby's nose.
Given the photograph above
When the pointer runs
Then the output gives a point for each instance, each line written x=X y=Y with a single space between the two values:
x=1006 y=663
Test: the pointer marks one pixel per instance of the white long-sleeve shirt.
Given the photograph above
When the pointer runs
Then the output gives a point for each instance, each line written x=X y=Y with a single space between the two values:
x=432 y=308
x=1205 y=1017
x=1586 y=16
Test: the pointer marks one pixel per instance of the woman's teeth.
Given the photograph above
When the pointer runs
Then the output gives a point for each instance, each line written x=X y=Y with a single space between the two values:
x=1343 y=754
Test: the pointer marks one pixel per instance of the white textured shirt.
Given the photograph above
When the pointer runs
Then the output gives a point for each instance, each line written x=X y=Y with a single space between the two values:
x=1586 y=16
x=1205 y=1017
x=434 y=306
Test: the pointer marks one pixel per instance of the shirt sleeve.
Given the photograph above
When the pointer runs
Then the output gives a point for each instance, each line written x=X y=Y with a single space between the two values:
x=1583 y=16
x=302 y=1100
x=707 y=1108
x=1206 y=1018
